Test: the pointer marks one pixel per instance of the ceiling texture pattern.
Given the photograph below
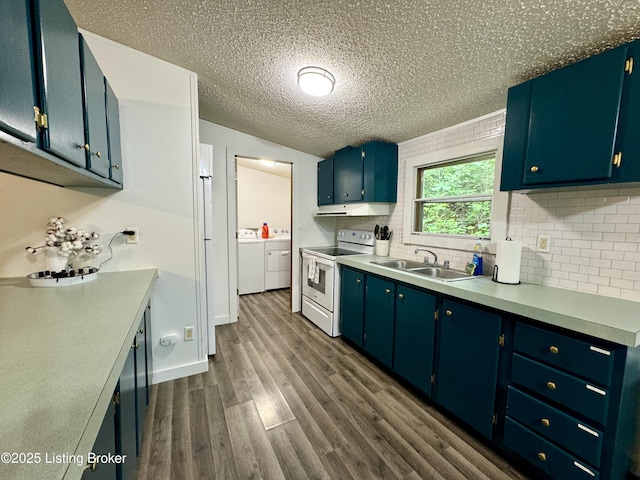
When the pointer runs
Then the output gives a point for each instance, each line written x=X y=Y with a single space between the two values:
x=403 y=68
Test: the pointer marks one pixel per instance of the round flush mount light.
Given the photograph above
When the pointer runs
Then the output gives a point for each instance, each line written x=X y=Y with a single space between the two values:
x=316 y=81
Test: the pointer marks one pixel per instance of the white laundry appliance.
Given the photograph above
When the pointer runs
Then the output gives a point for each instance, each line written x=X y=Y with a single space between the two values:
x=250 y=262
x=277 y=259
x=206 y=216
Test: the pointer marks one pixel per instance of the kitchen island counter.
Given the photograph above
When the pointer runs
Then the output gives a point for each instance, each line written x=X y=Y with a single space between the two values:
x=63 y=349
x=608 y=318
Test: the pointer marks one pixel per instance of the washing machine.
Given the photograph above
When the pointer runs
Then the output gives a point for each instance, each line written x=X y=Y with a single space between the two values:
x=277 y=259
x=250 y=262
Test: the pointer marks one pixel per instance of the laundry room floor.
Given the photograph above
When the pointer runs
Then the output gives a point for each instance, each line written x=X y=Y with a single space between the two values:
x=282 y=400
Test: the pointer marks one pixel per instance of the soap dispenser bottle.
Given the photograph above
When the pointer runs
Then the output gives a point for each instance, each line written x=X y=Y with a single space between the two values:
x=477 y=259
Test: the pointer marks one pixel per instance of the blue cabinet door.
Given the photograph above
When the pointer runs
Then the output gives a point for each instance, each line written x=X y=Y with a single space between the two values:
x=105 y=444
x=325 y=182
x=414 y=336
x=348 y=175
x=573 y=120
x=126 y=414
x=467 y=368
x=140 y=353
x=113 y=134
x=352 y=305
x=95 y=113
x=628 y=140
x=17 y=80
x=61 y=86
x=379 y=320
x=380 y=172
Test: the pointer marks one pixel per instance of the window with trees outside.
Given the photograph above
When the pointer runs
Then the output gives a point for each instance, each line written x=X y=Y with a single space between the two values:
x=452 y=196
x=455 y=198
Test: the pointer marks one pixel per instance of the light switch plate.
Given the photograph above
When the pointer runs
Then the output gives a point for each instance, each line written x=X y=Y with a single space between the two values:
x=543 y=244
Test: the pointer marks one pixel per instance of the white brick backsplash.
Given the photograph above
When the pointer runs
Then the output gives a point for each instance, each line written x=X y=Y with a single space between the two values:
x=595 y=232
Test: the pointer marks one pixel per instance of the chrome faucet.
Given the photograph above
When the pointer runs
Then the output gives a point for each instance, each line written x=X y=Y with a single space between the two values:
x=426 y=258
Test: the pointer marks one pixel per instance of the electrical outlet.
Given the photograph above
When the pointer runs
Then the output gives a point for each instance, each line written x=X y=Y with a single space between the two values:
x=132 y=238
x=168 y=340
x=188 y=333
x=543 y=244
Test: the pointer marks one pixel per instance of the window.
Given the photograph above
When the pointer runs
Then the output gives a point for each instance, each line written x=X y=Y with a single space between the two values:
x=454 y=198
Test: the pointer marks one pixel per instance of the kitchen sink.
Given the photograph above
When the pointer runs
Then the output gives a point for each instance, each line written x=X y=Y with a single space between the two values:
x=440 y=273
x=400 y=264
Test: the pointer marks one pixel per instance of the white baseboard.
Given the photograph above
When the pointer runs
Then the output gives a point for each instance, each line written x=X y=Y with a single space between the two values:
x=224 y=319
x=179 y=372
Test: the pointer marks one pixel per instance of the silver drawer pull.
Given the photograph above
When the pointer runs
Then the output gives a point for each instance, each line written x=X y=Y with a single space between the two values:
x=545 y=422
x=588 y=430
x=542 y=456
x=553 y=349
x=600 y=350
x=595 y=389
x=584 y=469
x=551 y=385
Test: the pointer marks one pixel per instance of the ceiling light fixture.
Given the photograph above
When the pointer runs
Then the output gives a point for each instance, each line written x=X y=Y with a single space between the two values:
x=316 y=81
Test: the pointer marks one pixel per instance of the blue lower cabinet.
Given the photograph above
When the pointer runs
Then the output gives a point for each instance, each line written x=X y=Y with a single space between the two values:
x=379 y=319
x=126 y=433
x=467 y=364
x=414 y=337
x=142 y=386
x=352 y=305
x=576 y=394
x=578 y=437
x=546 y=456
x=105 y=444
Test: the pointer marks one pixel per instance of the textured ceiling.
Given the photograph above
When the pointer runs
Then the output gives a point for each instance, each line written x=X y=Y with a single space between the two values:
x=403 y=68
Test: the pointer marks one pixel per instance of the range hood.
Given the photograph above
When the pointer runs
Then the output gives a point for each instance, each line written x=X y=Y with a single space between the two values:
x=353 y=210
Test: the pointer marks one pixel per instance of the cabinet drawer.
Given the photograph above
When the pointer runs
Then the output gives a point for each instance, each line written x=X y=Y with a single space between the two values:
x=575 y=356
x=571 y=434
x=566 y=390
x=544 y=455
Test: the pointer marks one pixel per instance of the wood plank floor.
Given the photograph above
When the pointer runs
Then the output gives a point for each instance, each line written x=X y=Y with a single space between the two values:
x=282 y=400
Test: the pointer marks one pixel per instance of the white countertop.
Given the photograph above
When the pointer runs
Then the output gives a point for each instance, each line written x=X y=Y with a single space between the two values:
x=608 y=318
x=63 y=349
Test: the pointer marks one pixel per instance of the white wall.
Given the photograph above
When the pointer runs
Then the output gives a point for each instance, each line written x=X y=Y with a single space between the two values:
x=158 y=116
x=263 y=197
x=305 y=231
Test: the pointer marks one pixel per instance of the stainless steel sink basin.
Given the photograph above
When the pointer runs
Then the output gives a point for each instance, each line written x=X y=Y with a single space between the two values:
x=440 y=273
x=400 y=264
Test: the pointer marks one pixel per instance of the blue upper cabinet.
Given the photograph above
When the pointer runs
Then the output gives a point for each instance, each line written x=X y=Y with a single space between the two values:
x=17 y=79
x=95 y=112
x=368 y=173
x=571 y=126
x=53 y=124
x=380 y=172
x=325 y=182
x=61 y=89
x=113 y=134
x=347 y=175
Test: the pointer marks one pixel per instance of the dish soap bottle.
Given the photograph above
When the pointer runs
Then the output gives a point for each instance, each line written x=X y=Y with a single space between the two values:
x=265 y=230
x=477 y=259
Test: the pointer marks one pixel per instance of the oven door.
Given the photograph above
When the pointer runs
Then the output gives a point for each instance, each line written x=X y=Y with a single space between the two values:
x=319 y=288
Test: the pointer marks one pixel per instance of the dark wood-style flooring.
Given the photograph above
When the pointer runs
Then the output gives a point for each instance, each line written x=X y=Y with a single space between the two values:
x=282 y=400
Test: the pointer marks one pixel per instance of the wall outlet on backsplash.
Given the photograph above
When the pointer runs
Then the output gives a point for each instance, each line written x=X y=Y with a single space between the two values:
x=543 y=244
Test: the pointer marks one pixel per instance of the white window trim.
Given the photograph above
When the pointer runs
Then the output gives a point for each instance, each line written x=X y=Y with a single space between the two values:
x=499 y=201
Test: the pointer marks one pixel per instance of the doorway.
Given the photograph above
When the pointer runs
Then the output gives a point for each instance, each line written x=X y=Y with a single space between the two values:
x=263 y=198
